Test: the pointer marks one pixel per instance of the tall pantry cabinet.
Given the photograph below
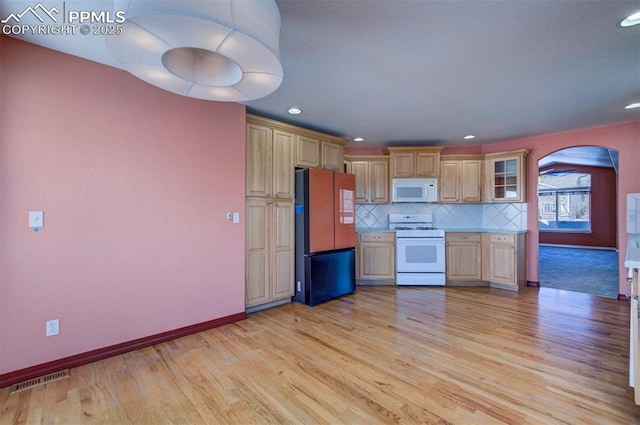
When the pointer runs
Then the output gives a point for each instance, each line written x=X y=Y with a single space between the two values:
x=269 y=262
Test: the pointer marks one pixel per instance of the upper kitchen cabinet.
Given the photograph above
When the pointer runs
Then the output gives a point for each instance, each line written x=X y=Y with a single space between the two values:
x=331 y=156
x=307 y=152
x=319 y=152
x=372 y=178
x=506 y=176
x=310 y=149
x=270 y=163
x=461 y=178
x=409 y=162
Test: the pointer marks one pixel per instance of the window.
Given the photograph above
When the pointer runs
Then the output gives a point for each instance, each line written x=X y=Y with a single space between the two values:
x=564 y=201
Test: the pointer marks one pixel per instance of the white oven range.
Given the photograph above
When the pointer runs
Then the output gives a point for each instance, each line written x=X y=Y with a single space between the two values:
x=420 y=250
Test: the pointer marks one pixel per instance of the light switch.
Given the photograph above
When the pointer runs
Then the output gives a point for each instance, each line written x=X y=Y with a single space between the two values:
x=36 y=218
x=236 y=217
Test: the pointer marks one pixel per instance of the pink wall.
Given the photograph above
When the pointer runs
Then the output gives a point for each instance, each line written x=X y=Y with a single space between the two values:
x=135 y=183
x=623 y=137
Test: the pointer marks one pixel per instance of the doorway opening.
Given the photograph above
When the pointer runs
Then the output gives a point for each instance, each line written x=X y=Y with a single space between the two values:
x=577 y=220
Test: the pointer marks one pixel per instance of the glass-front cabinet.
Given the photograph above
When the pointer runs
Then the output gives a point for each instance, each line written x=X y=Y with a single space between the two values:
x=506 y=176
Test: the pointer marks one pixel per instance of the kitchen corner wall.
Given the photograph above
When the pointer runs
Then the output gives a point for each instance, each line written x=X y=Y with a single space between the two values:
x=448 y=216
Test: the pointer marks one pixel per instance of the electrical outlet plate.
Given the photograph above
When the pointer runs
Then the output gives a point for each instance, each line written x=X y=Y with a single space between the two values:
x=53 y=327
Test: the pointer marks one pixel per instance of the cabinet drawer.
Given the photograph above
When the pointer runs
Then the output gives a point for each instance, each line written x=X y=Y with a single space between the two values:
x=463 y=237
x=502 y=238
x=377 y=237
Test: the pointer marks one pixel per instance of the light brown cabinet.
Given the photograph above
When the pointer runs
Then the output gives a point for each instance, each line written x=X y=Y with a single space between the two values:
x=461 y=179
x=269 y=273
x=505 y=260
x=316 y=153
x=269 y=160
x=310 y=149
x=409 y=162
x=376 y=259
x=464 y=257
x=506 y=176
x=332 y=156
x=372 y=178
x=273 y=150
x=307 y=152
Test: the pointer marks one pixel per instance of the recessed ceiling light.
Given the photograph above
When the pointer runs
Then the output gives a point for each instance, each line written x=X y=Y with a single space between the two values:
x=358 y=139
x=631 y=20
x=469 y=137
x=633 y=106
x=295 y=111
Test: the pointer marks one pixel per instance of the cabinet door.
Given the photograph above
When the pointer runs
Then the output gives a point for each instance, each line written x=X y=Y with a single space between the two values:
x=257 y=253
x=471 y=181
x=361 y=171
x=377 y=261
x=427 y=164
x=379 y=182
x=502 y=262
x=506 y=179
x=464 y=261
x=403 y=164
x=282 y=277
x=283 y=167
x=307 y=152
x=449 y=190
x=332 y=156
x=259 y=146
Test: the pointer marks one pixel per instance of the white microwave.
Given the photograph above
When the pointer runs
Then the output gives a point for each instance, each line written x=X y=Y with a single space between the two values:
x=414 y=190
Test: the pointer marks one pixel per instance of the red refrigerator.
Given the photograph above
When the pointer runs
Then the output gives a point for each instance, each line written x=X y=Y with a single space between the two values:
x=325 y=221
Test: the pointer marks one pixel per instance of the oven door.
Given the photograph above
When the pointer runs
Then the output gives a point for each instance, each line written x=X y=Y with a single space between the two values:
x=420 y=255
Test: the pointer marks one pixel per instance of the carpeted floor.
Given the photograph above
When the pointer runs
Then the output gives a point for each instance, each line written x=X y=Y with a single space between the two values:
x=592 y=271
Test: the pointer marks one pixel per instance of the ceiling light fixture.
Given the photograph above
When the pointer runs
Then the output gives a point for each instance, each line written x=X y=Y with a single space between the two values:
x=631 y=20
x=358 y=139
x=295 y=111
x=469 y=137
x=633 y=105
x=220 y=50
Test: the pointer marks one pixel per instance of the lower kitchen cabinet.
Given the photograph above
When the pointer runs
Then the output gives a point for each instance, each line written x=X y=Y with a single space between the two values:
x=506 y=260
x=376 y=258
x=269 y=274
x=464 y=257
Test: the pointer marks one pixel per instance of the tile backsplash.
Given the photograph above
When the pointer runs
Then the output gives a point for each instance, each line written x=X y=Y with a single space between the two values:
x=448 y=216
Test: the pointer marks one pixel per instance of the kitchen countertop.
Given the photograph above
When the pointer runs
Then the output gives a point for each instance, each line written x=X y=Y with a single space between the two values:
x=632 y=259
x=481 y=230
x=452 y=230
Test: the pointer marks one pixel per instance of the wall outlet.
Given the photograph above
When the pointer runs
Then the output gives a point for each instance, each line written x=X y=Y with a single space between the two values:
x=53 y=327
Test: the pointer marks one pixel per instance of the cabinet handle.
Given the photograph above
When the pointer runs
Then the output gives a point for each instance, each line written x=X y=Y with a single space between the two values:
x=463 y=237
x=501 y=238
x=377 y=237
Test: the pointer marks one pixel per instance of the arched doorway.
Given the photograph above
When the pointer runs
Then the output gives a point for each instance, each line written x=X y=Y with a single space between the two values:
x=577 y=220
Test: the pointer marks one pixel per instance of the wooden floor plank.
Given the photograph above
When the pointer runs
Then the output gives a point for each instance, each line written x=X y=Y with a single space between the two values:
x=382 y=355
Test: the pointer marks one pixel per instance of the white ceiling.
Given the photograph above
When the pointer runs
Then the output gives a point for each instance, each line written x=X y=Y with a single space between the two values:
x=408 y=72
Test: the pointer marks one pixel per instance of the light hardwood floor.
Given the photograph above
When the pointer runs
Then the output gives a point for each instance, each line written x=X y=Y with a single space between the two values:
x=383 y=355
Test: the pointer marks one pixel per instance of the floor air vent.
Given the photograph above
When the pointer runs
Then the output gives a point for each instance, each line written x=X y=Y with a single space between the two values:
x=41 y=380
